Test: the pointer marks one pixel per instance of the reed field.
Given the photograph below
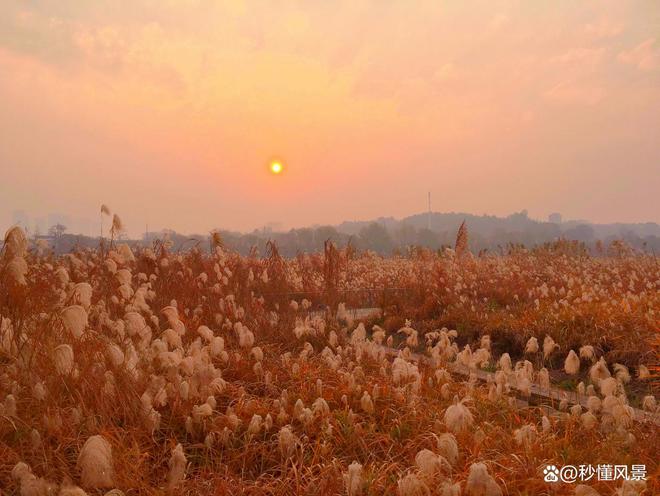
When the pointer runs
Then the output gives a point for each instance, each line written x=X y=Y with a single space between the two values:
x=151 y=370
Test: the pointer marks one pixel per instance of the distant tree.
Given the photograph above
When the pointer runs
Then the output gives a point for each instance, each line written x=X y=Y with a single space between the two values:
x=375 y=237
x=427 y=238
x=324 y=233
x=305 y=238
x=581 y=232
x=57 y=231
x=406 y=235
x=555 y=218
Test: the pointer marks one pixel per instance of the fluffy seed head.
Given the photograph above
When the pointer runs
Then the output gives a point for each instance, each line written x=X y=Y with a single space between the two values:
x=287 y=441
x=457 y=417
x=448 y=447
x=549 y=346
x=430 y=464
x=572 y=363
x=95 y=463
x=411 y=485
x=532 y=345
x=480 y=482
x=353 y=479
x=599 y=371
x=177 y=465
x=63 y=359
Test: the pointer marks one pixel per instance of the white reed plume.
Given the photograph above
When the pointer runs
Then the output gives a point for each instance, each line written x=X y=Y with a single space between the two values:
x=35 y=439
x=287 y=441
x=572 y=363
x=505 y=362
x=205 y=333
x=21 y=471
x=15 y=243
x=546 y=426
x=353 y=479
x=532 y=345
x=430 y=465
x=649 y=404
x=82 y=295
x=449 y=489
x=480 y=482
x=544 y=378
x=448 y=447
x=525 y=436
x=74 y=318
x=255 y=425
x=377 y=334
x=63 y=359
x=366 y=403
x=458 y=417
x=445 y=391
x=257 y=353
x=16 y=270
x=549 y=346
x=115 y=355
x=594 y=404
x=608 y=386
x=599 y=371
x=95 y=463
x=587 y=352
x=200 y=412
x=39 y=391
x=411 y=485
x=589 y=420
x=29 y=484
x=117 y=226
x=621 y=373
x=68 y=489
x=177 y=464
x=320 y=407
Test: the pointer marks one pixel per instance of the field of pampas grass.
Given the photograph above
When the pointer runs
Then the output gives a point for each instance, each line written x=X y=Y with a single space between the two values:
x=155 y=372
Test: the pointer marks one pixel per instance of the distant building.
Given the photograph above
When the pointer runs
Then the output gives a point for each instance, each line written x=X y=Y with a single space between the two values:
x=555 y=218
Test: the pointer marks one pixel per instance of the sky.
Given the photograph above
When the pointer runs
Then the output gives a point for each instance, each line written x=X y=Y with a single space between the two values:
x=170 y=111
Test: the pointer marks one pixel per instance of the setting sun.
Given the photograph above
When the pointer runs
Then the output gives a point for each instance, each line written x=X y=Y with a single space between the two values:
x=276 y=167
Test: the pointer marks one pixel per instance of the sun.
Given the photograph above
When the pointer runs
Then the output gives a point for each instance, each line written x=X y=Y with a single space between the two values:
x=276 y=167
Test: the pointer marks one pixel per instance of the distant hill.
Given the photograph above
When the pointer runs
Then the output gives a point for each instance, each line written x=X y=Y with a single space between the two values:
x=489 y=231
x=489 y=225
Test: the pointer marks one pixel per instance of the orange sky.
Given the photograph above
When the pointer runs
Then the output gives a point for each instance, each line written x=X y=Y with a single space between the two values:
x=169 y=111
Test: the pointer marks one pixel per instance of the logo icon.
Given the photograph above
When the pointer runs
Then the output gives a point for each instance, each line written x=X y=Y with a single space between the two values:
x=551 y=474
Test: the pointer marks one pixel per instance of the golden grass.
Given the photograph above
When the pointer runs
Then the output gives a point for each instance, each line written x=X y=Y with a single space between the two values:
x=608 y=302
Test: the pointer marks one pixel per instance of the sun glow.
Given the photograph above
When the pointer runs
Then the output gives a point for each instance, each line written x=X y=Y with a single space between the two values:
x=276 y=167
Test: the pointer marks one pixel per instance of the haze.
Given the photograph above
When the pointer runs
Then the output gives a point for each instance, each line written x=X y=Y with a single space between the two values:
x=170 y=111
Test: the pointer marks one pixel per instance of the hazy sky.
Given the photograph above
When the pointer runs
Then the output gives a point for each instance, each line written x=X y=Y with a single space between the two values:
x=169 y=111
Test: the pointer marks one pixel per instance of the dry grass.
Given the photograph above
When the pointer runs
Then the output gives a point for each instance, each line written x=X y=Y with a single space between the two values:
x=609 y=302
